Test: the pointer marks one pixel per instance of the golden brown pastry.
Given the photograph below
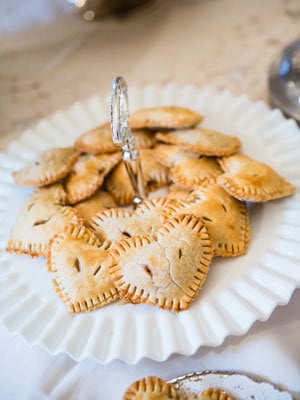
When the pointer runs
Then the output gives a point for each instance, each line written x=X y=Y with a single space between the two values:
x=250 y=180
x=202 y=141
x=167 y=268
x=47 y=168
x=167 y=117
x=151 y=388
x=41 y=216
x=78 y=260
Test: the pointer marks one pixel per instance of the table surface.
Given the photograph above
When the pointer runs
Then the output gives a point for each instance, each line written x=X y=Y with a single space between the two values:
x=49 y=59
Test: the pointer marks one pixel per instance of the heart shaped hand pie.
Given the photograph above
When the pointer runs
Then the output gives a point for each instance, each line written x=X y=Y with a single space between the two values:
x=151 y=388
x=226 y=218
x=167 y=268
x=48 y=167
x=42 y=216
x=118 y=224
x=78 y=259
x=250 y=180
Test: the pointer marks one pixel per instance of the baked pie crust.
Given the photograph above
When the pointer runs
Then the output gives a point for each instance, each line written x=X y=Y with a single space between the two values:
x=99 y=201
x=203 y=141
x=155 y=175
x=96 y=140
x=78 y=260
x=99 y=140
x=41 y=216
x=88 y=174
x=192 y=173
x=247 y=179
x=47 y=168
x=151 y=388
x=167 y=268
x=214 y=394
x=117 y=224
x=169 y=117
x=226 y=218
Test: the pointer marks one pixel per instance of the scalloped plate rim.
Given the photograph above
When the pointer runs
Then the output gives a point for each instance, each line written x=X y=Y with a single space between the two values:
x=167 y=354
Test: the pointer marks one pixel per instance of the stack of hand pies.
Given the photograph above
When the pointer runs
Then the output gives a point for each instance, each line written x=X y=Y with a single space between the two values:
x=98 y=251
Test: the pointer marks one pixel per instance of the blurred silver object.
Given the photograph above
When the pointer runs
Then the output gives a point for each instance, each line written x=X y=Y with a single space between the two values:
x=122 y=136
x=284 y=81
x=94 y=9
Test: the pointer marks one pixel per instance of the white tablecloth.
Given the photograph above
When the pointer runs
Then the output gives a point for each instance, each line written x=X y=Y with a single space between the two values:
x=49 y=60
x=270 y=349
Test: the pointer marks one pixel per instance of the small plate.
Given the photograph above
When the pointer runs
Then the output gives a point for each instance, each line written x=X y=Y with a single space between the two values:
x=240 y=385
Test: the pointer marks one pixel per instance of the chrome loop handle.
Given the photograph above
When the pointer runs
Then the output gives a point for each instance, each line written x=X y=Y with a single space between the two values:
x=122 y=136
x=119 y=112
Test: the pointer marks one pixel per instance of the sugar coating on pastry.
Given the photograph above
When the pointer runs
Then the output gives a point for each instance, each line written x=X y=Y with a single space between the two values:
x=78 y=260
x=192 y=173
x=99 y=201
x=40 y=217
x=47 y=168
x=226 y=218
x=155 y=175
x=88 y=174
x=168 y=117
x=203 y=141
x=151 y=388
x=168 y=268
x=250 y=180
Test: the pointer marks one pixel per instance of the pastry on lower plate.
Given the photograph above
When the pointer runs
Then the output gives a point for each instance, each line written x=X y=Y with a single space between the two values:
x=154 y=388
x=167 y=268
x=151 y=388
x=78 y=260
x=251 y=180
x=213 y=394
x=47 y=168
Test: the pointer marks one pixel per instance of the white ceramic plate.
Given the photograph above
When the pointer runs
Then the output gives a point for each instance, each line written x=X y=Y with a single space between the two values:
x=234 y=383
x=237 y=292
